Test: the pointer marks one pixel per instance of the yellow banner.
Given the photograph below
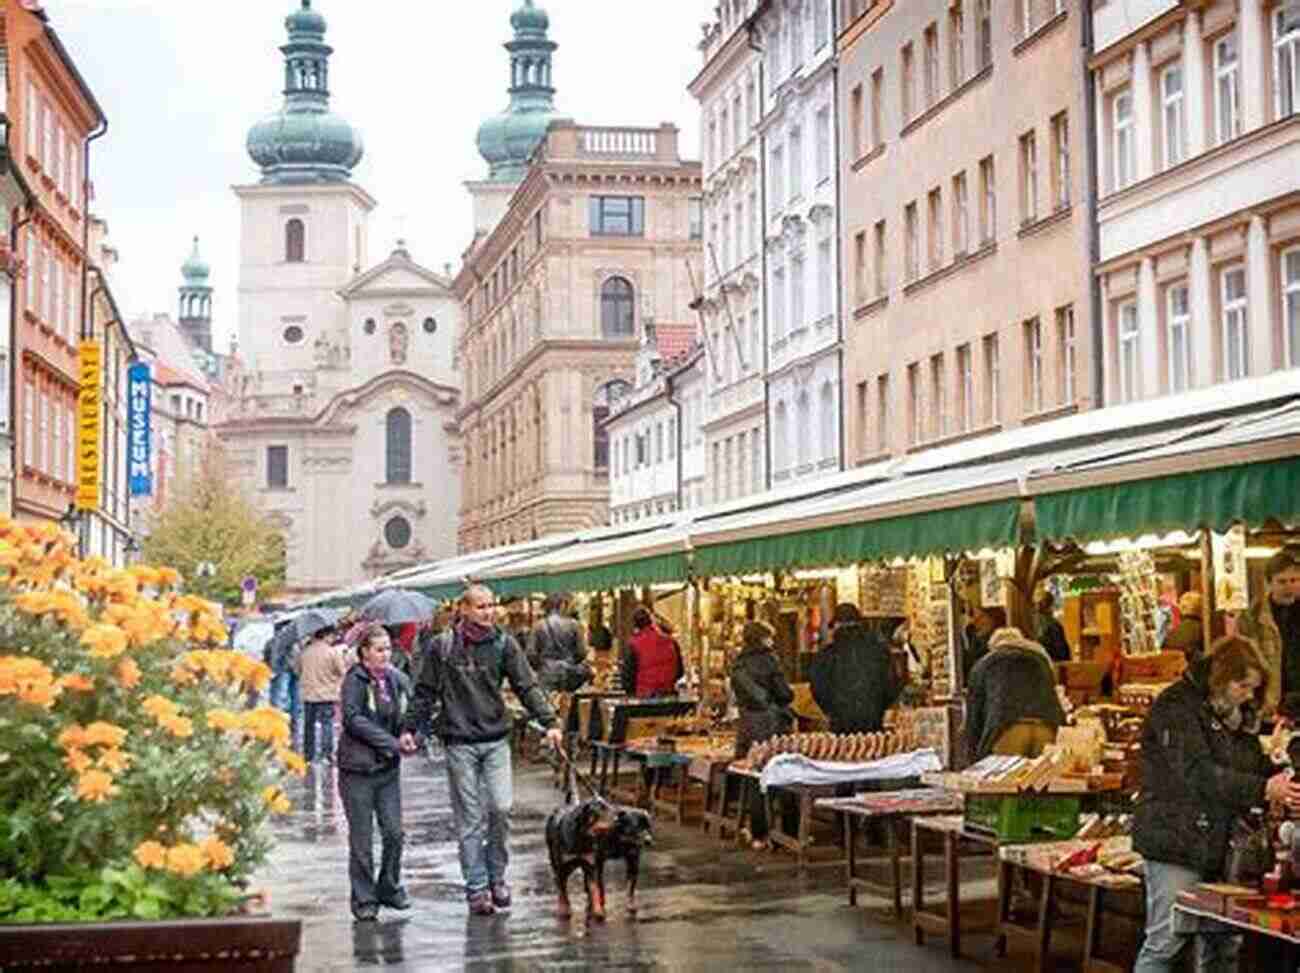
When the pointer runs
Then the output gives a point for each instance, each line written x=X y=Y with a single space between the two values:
x=90 y=358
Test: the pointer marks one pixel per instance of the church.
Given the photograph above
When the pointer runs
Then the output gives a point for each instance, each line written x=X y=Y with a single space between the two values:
x=342 y=424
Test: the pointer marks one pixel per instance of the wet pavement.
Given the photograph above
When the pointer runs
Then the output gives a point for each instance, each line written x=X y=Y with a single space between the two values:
x=703 y=906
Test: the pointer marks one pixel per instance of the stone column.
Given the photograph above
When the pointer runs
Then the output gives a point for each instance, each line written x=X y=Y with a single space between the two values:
x=1195 y=87
x=1143 y=102
x=1252 y=28
x=1204 y=327
x=1262 y=315
x=1148 y=330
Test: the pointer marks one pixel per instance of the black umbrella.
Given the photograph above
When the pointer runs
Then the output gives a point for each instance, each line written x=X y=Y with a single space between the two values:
x=301 y=625
x=397 y=606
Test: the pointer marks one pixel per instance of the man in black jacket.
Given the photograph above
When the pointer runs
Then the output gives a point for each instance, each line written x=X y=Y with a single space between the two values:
x=852 y=679
x=557 y=647
x=460 y=691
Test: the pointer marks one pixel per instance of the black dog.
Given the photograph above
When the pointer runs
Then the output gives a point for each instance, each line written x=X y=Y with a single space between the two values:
x=587 y=835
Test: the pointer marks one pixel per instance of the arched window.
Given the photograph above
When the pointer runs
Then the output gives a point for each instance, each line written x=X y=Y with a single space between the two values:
x=295 y=241
x=399 y=446
x=827 y=421
x=617 y=308
x=780 y=443
x=803 y=411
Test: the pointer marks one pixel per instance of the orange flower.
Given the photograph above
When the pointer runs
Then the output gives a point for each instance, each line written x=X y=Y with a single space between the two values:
x=181 y=676
x=105 y=735
x=275 y=799
x=128 y=673
x=73 y=737
x=217 y=853
x=77 y=762
x=95 y=785
x=222 y=720
x=150 y=854
x=39 y=693
x=144 y=574
x=104 y=641
x=169 y=577
x=77 y=682
x=160 y=706
x=185 y=860
x=115 y=760
x=177 y=726
x=292 y=761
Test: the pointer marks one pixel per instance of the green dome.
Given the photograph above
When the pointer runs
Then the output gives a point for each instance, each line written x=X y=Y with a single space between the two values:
x=507 y=140
x=530 y=18
x=195 y=270
x=305 y=21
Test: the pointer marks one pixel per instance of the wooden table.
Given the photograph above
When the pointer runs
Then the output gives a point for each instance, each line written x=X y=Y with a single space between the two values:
x=951 y=830
x=657 y=763
x=882 y=807
x=1263 y=949
x=711 y=771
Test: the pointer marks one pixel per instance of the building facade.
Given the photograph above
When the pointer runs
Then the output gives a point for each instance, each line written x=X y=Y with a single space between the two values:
x=797 y=126
x=53 y=116
x=1198 y=144
x=729 y=89
x=967 y=231
x=15 y=199
x=342 y=421
x=582 y=236
x=656 y=439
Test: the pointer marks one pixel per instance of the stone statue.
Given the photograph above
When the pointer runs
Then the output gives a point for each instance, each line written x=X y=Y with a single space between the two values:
x=397 y=342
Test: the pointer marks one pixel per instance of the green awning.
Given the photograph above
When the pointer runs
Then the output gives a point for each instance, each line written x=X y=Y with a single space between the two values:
x=1250 y=493
x=993 y=524
x=659 y=569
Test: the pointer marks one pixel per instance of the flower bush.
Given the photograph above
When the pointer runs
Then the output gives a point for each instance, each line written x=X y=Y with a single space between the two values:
x=133 y=779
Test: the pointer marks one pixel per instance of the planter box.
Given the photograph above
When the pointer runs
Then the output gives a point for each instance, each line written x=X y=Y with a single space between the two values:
x=241 y=945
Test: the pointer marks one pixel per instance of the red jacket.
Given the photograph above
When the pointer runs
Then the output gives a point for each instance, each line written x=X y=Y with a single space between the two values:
x=655 y=663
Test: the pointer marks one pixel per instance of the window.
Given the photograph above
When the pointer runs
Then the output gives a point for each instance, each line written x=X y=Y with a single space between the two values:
x=877 y=108
x=965 y=389
x=1227 y=90
x=1034 y=377
x=984 y=35
x=672 y=438
x=956 y=46
x=936 y=228
x=1236 y=333
x=824 y=280
x=1171 y=100
x=777 y=308
x=757 y=479
x=398 y=439
x=1130 y=380
x=59 y=453
x=992 y=381
x=292 y=335
x=724 y=132
x=798 y=283
x=878 y=260
x=826 y=421
x=1028 y=178
x=988 y=201
x=397 y=533
x=796 y=163
x=277 y=467
x=713 y=157
x=695 y=217
x=295 y=241
x=960 y=215
x=777 y=177
x=29 y=424
x=755 y=341
x=882 y=412
x=739 y=252
x=780 y=441
x=43 y=451
x=659 y=443
x=938 y=396
x=1179 y=343
x=738 y=123
x=752 y=224
x=751 y=101
x=931 y=38
x=728 y=467
x=617 y=308
x=823 y=145
x=1060 y=161
x=1286 y=59
x=905 y=89
x=1067 y=354
x=1291 y=305
x=915 y=411
x=30 y=276
x=1028 y=22
x=857 y=121
x=1125 y=143
x=795 y=23
x=913 y=267
x=821 y=24
x=864 y=447
x=860 y=267
x=4 y=390
x=617 y=215
x=33 y=146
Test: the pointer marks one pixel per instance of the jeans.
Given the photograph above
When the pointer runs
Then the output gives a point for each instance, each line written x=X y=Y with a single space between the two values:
x=365 y=798
x=284 y=696
x=318 y=715
x=1216 y=952
x=479 y=777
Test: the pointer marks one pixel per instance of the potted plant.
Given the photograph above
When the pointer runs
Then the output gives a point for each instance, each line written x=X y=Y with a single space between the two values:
x=134 y=781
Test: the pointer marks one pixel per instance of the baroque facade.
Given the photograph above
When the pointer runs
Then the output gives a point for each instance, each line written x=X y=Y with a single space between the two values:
x=581 y=237
x=342 y=421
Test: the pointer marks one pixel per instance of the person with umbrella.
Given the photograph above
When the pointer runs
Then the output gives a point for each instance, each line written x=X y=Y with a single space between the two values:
x=280 y=656
x=320 y=668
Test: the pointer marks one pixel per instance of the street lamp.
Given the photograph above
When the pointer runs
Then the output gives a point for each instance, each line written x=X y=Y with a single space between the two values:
x=202 y=571
x=71 y=521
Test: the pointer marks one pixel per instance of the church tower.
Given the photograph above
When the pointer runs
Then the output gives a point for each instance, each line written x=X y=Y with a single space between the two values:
x=196 y=301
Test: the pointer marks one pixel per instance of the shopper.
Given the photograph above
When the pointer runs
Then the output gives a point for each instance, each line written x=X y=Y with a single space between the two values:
x=1012 y=706
x=1273 y=624
x=1051 y=633
x=652 y=663
x=1202 y=769
x=975 y=637
x=460 y=692
x=285 y=689
x=557 y=647
x=320 y=668
x=1188 y=636
x=374 y=696
x=763 y=697
x=853 y=678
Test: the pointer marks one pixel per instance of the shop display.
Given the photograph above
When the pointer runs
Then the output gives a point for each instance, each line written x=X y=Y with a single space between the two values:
x=882 y=591
x=919 y=800
x=1100 y=859
x=928 y=607
x=1137 y=600
x=830 y=747
x=1056 y=771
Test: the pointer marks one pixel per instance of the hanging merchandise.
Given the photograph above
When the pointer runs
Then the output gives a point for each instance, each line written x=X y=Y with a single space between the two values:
x=1137 y=600
x=1231 y=591
x=993 y=593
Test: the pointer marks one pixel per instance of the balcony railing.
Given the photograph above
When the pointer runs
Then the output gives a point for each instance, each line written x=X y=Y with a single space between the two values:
x=619 y=141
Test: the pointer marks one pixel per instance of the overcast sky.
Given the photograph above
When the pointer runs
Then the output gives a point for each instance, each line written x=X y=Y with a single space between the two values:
x=183 y=80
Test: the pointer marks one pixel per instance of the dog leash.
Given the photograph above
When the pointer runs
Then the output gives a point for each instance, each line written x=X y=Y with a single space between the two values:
x=573 y=768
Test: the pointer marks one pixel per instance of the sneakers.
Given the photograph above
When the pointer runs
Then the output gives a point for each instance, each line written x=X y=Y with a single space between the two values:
x=401 y=901
x=480 y=904
x=501 y=895
x=365 y=913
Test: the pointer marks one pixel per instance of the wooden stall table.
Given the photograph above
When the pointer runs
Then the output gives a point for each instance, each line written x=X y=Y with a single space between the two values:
x=1274 y=947
x=806 y=794
x=892 y=809
x=711 y=771
x=952 y=832
x=655 y=762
